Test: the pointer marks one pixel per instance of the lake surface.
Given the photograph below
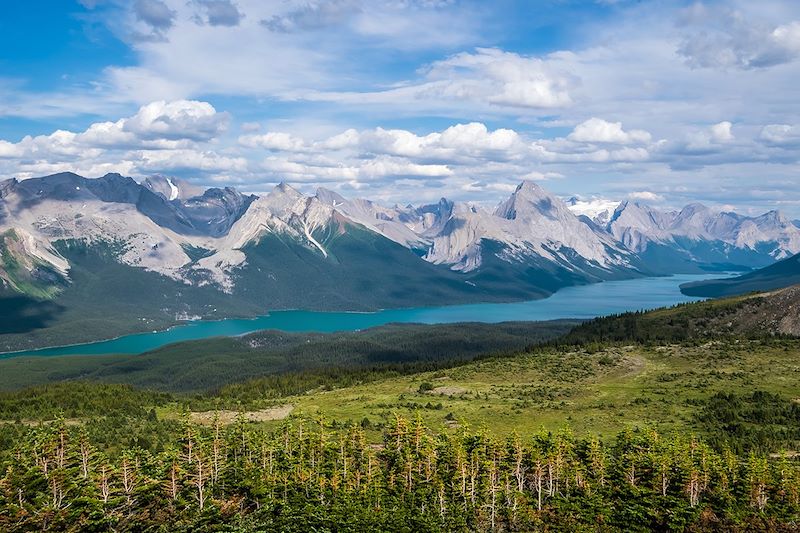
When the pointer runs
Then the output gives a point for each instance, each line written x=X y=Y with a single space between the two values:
x=586 y=301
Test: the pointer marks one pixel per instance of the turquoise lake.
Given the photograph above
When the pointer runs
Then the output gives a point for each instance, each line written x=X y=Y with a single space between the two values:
x=585 y=301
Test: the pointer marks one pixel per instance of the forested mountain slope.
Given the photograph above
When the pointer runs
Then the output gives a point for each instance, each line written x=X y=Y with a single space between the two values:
x=777 y=276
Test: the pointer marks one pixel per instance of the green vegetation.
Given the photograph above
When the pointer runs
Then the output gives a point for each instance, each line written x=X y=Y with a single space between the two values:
x=596 y=392
x=757 y=421
x=699 y=322
x=212 y=363
x=306 y=477
x=775 y=276
x=25 y=274
x=678 y=419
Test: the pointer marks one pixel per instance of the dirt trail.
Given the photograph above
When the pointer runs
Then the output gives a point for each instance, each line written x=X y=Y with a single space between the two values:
x=228 y=417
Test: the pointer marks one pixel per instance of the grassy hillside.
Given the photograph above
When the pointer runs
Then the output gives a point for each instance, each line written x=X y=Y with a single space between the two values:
x=678 y=419
x=593 y=393
x=742 y=395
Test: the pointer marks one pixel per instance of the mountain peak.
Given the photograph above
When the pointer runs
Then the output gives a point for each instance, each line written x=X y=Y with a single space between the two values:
x=694 y=208
x=528 y=199
x=327 y=196
x=776 y=217
x=531 y=187
x=285 y=188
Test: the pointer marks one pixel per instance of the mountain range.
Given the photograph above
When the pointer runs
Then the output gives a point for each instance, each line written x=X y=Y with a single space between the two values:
x=167 y=249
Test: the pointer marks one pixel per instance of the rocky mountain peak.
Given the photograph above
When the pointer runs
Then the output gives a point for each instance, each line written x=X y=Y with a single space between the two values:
x=530 y=200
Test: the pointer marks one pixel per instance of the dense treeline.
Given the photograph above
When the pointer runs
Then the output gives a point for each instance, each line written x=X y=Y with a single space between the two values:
x=687 y=322
x=757 y=421
x=78 y=399
x=306 y=477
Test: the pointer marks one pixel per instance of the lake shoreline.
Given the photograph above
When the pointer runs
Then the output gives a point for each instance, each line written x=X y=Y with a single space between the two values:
x=572 y=303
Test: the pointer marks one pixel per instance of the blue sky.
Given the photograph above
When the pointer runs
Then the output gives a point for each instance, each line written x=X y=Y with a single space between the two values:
x=661 y=101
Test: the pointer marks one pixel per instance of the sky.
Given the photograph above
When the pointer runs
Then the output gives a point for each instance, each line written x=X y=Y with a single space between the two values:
x=406 y=101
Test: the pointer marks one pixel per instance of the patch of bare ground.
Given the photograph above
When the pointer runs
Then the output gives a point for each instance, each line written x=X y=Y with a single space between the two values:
x=31 y=422
x=449 y=390
x=791 y=454
x=632 y=365
x=228 y=417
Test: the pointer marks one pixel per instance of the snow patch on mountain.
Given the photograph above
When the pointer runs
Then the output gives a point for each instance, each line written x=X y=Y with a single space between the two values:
x=598 y=210
x=532 y=222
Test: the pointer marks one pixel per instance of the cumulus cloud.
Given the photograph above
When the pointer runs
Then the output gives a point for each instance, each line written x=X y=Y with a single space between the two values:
x=159 y=136
x=182 y=119
x=498 y=78
x=464 y=152
x=647 y=196
x=781 y=135
x=721 y=132
x=710 y=139
x=596 y=130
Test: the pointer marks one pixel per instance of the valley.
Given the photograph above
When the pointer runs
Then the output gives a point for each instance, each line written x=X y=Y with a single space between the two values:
x=166 y=249
x=579 y=302
x=400 y=266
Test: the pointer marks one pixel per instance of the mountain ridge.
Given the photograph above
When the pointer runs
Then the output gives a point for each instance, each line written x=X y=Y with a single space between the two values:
x=165 y=223
x=219 y=252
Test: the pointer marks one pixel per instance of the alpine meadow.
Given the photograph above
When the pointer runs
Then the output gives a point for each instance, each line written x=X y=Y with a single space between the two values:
x=399 y=266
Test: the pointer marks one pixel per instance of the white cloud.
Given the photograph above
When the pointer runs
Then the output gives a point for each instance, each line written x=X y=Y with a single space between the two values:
x=488 y=79
x=499 y=78
x=188 y=159
x=721 y=132
x=385 y=166
x=781 y=134
x=701 y=144
x=10 y=150
x=182 y=119
x=161 y=136
x=541 y=176
x=647 y=196
x=596 y=130
x=475 y=137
